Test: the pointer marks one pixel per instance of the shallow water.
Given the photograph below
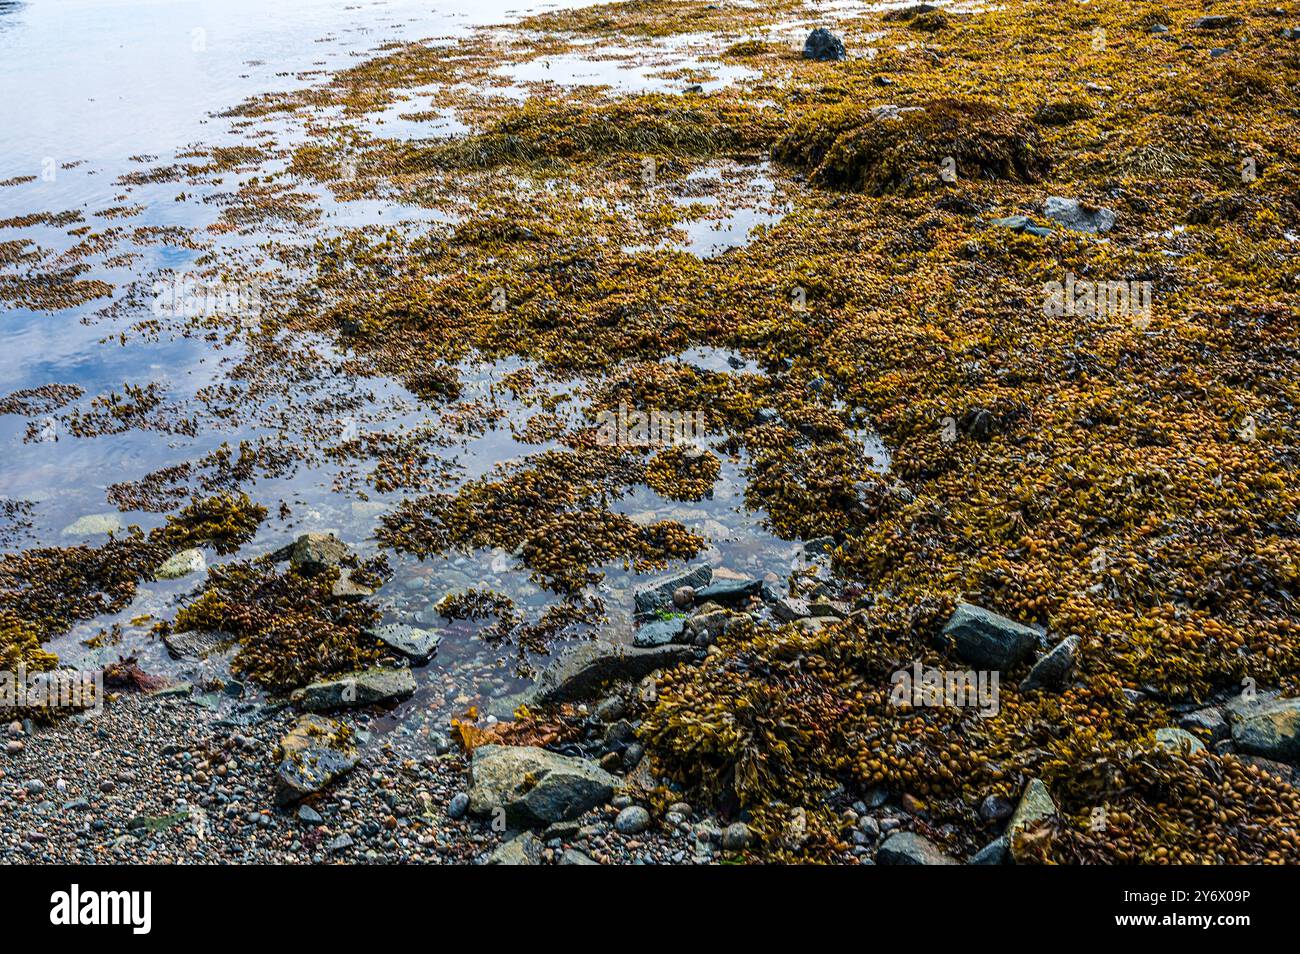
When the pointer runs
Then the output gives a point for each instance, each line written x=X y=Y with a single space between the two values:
x=93 y=91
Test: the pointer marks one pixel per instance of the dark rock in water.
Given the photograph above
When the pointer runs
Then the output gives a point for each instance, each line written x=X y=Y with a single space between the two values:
x=416 y=644
x=1269 y=729
x=316 y=752
x=659 y=594
x=355 y=689
x=996 y=852
x=1216 y=23
x=985 y=639
x=1073 y=214
x=823 y=45
x=729 y=591
x=909 y=848
x=1052 y=670
x=1206 y=720
x=525 y=849
x=580 y=671
x=661 y=632
x=535 y=787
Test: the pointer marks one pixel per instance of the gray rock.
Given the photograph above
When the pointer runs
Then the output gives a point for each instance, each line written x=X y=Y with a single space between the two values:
x=736 y=837
x=415 y=643
x=1035 y=804
x=181 y=564
x=195 y=645
x=524 y=849
x=659 y=594
x=94 y=524
x=535 y=787
x=1178 y=740
x=458 y=806
x=1021 y=223
x=823 y=45
x=684 y=597
x=1270 y=729
x=790 y=608
x=363 y=688
x=909 y=848
x=1206 y=720
x=1073 y=214
x=1215 y=23
x=316 y=752
x=996 y=809
x=729 y=591
x=987 y=640
x=579 y=672
x=309 y=815
x=661 y=632
x=996 y=852
x=313 y=552
x=572 y=856
x=632 y=820
x=1052 y=670
x=346 y=588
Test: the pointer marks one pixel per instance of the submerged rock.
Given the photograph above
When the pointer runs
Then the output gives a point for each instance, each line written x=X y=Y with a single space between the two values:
x=355 y=689
x=181 y=564
x=823 y=45
x=1073 y=214
x=93 y=524
x=985 y=639
x=315 y=753
x=416 y=644
x=909 y=848
x=535 y=787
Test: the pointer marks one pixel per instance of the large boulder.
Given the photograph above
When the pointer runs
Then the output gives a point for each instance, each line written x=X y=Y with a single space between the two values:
x=535 y=787
x=362 y=688
x=1270 y=729
x=987 y=640
x=909 y=848
x=316 y=752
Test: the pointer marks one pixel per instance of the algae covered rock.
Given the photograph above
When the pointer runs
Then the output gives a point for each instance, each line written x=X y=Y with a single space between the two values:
x=534 y=786
x=316 y=752
x=985 y=639
x=355 y=689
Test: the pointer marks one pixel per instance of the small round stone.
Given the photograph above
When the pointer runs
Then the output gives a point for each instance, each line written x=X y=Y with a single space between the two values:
x=736 y=837
x=459 y=805
x=684 y=597
x=632 y=820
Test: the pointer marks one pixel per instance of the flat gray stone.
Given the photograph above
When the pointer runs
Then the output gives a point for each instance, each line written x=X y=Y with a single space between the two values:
x=579 y=672
x=661 y=632
x=659 y=593
x=363 y=688
x=728 y=591
x=94 y=524
x=198 y=644
x=415 y=643
x=1209 y=720
x=535 y=787
x=987 y=640
x=909 y=848
x=1073 y=214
